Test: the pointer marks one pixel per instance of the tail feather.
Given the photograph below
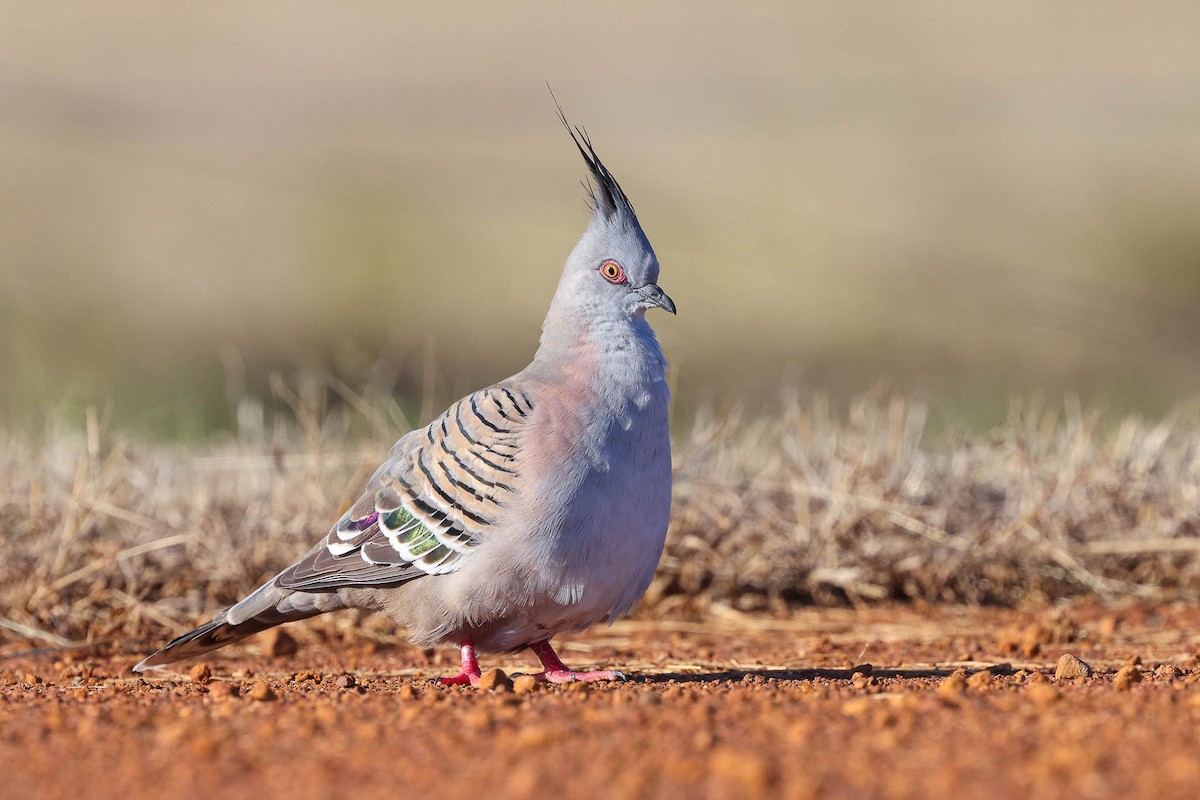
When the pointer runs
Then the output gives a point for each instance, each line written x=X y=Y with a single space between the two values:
x=267 y=606
x=214 y=634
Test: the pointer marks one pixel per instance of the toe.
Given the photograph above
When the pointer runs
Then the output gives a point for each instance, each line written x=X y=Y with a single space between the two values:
x=462 y=679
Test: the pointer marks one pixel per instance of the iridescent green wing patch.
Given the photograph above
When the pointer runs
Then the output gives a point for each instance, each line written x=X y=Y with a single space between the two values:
x=416 y=542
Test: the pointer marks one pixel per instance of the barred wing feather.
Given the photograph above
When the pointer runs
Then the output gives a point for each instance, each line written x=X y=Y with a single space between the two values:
x=430 y=504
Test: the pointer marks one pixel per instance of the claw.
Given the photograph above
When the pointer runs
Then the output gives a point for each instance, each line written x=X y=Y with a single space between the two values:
x=470 y=674
x=555 y=671
x=570 y=676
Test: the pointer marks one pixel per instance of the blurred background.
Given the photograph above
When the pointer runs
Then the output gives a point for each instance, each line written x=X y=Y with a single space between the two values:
x=957 y=200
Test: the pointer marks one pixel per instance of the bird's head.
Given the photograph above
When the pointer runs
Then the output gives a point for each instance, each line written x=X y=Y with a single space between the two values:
x=613 y=270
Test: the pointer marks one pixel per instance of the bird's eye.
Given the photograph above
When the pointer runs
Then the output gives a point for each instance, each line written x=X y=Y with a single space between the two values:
x=612 y=272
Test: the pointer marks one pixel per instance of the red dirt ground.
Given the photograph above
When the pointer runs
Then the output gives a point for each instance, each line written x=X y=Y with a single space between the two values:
x=737 y=707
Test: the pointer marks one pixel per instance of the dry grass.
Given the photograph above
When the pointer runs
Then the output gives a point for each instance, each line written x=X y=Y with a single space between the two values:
x=108 y=539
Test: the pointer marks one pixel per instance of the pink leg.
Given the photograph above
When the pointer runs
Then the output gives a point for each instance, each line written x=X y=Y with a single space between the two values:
x=470 y=669
x=556 y=671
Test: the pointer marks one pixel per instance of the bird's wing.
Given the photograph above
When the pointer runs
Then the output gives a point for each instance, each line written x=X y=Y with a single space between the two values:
x=430 y=503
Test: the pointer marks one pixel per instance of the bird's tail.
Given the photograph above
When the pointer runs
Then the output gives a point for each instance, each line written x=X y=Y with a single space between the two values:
x=266 y=607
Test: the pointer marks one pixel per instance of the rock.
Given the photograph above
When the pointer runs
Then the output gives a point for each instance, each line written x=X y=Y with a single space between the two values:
x=863 y=669
x=261 y=691
x=1167 y=672
x=1126 y=677
x=200 y=673
x=523 y=684
x=346 y=682
x=954 y=685
x=277 y=642
x=1070 y=666
x=222 y=690
x=980 y=679
x=495 y=680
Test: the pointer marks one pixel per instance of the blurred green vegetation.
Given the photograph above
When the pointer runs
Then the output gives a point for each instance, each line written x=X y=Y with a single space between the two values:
x=959 y=201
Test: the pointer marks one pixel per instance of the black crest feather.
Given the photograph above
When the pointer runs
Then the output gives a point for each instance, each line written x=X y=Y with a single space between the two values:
x=606 y=194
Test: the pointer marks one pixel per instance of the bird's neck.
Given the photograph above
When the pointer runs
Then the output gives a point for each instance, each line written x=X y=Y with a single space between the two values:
x=617 y=350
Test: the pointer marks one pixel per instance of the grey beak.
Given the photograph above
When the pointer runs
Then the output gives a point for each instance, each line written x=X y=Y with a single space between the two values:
x=656 y=297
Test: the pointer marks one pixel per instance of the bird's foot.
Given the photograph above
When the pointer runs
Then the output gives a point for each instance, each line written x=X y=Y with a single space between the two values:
x=555 y=671
x=461 y=679
x=571 y=676
x=470 y=674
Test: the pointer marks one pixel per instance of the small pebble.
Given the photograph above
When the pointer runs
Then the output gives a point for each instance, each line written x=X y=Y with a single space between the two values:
x=1126 y=677
x=222 y=690
x=496 y=680
x=954 y=685
x=200 y=673
x=1070 y=666
x=277 y=642
x=523 y=684
x=980 y=679
x=346 y=682
x=261 y=691
x=1167 y=672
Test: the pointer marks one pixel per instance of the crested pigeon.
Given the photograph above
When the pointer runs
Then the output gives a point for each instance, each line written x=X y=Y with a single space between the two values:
x=536 y=506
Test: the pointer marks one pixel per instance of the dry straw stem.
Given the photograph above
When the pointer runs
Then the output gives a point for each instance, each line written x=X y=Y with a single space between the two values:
x=106 y=540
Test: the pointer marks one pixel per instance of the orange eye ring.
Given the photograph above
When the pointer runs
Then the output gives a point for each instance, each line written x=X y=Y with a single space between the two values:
x=612 y=272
